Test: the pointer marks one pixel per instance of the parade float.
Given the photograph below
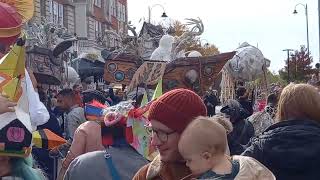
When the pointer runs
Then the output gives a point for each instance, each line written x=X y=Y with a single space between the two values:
x=247 y=65
x=47 y=54
x=169 y=62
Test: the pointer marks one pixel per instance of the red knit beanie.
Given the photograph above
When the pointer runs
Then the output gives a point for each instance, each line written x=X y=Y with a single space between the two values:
x=177 y=108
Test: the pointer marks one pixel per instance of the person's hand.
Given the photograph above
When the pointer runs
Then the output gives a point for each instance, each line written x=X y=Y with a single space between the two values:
x=6 y=105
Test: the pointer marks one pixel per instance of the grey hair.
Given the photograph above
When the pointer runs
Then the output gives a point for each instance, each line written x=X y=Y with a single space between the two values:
x=233 y=104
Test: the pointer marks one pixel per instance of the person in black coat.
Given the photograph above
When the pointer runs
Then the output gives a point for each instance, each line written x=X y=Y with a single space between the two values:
x=242 y=131
x=291 y=147
x=242 y=98
x=42 y=155
x=211 y=101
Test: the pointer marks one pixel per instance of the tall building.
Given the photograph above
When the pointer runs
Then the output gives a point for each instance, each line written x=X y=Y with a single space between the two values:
x=88 y=19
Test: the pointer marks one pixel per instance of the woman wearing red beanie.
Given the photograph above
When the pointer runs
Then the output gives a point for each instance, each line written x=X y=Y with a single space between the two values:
x=169 y=116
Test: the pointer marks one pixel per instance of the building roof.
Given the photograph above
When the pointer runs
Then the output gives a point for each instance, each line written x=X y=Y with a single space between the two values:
x=151 y=29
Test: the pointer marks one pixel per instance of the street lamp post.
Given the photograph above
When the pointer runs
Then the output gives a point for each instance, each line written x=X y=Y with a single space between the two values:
x=307 y=21
x=164 y=15
x=288 y=60
x=319 y=26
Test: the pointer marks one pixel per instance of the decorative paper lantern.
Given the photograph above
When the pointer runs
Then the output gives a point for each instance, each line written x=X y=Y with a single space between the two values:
x=13 y=14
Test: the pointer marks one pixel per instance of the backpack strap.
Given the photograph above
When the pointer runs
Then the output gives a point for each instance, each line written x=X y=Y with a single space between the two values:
x=113 y=171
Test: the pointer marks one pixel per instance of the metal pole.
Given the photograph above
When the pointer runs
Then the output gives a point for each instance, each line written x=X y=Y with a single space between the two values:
x=319 y=26
x=307 y=21
x=288 y=60
x=288 y=51
x=149 y=13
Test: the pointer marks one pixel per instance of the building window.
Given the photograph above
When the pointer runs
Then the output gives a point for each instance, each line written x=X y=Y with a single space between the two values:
x=43 y=8
x=118 y=11
x=124 y=13
x=98 y=3
x=56 y=12
x=98 y=29
x=114 y=8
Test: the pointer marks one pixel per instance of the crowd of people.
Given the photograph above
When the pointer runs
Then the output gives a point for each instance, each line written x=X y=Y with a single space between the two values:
x=193 y=139
x=280 y=142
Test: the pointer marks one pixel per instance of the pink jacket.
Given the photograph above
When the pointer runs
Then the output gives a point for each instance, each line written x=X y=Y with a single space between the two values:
x=87 y=138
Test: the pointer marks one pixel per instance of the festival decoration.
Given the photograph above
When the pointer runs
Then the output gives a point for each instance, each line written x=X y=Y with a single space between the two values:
x=138 y=119
x=247 y=64
x=15 y=127
x=46 y=139
x=13 y=14
x=148 y=73
x=171 y=47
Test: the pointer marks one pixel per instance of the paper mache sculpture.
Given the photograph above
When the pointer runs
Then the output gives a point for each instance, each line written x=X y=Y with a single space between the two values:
x=247 y=64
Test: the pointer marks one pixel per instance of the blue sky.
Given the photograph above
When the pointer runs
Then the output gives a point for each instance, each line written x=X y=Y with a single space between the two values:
x=268 y=23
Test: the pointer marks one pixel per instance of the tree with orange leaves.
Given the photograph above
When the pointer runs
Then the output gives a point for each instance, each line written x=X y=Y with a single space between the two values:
x=177 y=29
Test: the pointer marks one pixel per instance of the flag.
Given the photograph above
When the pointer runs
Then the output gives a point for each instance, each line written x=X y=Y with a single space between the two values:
x=144 y=99
x=94 y=110
x=46 y=139
x=158 y=92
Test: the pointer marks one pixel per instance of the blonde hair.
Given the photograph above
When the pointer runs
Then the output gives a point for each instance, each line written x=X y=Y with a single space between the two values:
x=299 y=101
x=205 y=134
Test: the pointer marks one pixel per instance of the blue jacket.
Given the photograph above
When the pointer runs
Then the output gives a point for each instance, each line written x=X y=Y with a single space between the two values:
x=290 y=149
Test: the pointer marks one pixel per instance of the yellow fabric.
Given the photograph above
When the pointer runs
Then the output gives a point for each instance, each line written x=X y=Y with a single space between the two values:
x=144 y=99
x=12 y=70
x=25 y=8
x=9 y=32
x=11 y=89
x=13 y=63
x=36 y=139
x=158 y=91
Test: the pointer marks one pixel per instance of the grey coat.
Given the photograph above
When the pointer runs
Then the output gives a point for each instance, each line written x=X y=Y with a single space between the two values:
x=93 y=166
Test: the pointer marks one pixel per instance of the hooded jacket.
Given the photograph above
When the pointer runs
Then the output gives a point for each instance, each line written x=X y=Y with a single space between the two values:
x=251 y=169
x=158 y=170
x=290 y=149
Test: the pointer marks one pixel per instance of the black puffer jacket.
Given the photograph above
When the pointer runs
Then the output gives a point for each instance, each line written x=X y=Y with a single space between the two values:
x=290 y=149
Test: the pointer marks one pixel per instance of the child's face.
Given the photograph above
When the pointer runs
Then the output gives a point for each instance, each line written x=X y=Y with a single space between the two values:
x=198 y=163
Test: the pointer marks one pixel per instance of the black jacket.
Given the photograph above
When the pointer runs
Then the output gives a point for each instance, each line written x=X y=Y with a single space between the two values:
x=247 y=105
x=290 y=149
x=211 y=101
x=241 y=134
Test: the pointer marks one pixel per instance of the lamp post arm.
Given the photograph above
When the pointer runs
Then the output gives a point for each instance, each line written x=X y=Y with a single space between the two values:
x=300 y=4
x=150 y=9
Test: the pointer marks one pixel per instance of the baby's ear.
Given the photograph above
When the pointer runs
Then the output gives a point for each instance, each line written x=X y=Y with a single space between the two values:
x=206 y=155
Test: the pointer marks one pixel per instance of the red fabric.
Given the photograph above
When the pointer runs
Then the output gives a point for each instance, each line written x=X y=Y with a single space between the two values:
x=177 y=108
x=261 y=105
x=129 y=135
x=9 y=18
x=107 y=140
x=96 y=103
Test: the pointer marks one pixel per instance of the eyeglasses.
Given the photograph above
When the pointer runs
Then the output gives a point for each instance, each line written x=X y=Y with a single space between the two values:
x=162 y=136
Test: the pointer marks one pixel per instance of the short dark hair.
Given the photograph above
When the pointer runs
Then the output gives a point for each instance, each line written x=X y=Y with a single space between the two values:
x=272 y=98
x=241 y=91
x=66 y=93
x=75 y=86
